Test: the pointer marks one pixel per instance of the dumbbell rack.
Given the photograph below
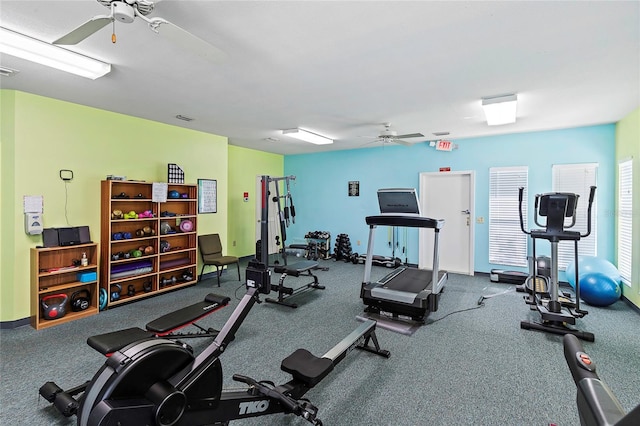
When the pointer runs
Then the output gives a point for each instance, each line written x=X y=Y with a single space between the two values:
x=167 y=261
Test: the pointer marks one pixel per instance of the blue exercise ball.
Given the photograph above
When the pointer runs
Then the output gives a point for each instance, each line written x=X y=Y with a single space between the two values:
x=599 y=289
x=589 y=264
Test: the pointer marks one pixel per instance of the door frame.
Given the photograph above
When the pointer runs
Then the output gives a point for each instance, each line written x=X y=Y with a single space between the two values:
x=471 y=229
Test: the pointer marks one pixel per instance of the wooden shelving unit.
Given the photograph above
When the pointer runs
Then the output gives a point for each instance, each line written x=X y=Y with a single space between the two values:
x=167 y=260
x=53 y=272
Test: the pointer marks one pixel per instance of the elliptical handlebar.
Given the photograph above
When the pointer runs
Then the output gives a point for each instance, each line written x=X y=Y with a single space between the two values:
x=592 y=194
x=597 y=405
x=520 y=196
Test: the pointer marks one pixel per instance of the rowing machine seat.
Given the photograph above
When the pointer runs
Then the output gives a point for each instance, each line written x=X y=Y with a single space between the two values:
x=306 y=367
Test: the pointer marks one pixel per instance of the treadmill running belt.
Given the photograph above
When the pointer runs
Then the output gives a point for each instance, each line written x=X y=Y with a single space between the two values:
x=404 y=286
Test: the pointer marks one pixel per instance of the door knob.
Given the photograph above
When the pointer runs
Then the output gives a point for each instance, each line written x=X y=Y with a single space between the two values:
x=466 y=211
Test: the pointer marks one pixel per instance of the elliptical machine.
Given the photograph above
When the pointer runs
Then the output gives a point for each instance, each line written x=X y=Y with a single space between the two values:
x=556 y=316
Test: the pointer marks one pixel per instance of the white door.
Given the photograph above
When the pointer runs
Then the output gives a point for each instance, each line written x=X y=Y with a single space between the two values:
x=273 y=215
x=448 y=196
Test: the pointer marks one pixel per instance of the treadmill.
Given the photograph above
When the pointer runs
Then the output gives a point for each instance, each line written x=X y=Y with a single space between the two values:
x=406 y=293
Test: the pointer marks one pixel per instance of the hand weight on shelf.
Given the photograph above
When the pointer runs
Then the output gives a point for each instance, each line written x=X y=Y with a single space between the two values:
x=54 y=310
x=168 y=281
x=80 y=300
x=115 y=289
x=131 y=290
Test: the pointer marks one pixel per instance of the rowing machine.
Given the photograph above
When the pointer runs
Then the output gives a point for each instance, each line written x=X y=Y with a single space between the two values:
x=161 y=382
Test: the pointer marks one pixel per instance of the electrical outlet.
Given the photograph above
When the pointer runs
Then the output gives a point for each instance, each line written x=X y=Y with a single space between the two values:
x=480 y=219
x=234 y=243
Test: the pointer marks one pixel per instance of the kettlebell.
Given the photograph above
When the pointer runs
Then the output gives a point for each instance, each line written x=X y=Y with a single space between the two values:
x=115 y=289
x=54 y=310
x=131 y=290
x=80 y=300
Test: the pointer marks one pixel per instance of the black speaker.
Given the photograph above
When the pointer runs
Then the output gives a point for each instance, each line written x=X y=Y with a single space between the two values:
x=56 y=237
x=85 y=236
x=68 y=236
x=50 y=237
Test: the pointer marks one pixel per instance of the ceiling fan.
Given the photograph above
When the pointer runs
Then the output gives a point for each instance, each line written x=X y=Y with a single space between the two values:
x=126 y=11
x=391 y=136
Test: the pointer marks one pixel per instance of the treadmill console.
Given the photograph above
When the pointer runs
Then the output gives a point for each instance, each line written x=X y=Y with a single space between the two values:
x=398 y=201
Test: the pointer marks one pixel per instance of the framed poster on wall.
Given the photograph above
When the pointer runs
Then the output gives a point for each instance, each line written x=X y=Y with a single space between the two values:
x=207 y=196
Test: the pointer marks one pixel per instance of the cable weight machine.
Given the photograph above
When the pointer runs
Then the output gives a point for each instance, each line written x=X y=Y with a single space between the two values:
x=298 y=269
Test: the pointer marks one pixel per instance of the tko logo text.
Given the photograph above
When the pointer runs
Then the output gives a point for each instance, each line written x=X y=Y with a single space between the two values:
x=253 y=407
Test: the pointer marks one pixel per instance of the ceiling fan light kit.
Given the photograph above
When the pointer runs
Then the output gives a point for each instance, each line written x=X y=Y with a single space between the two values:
x=307 y=136
x=34 y=50
x=500 y=110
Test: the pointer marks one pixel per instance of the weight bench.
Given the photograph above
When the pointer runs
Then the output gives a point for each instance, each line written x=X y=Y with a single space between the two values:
x=296 y=270
x=165 y=326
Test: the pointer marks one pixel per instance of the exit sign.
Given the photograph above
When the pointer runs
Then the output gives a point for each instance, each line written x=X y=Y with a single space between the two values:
x=444 y=146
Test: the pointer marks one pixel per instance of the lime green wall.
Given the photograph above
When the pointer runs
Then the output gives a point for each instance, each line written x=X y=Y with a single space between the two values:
x=40 y=136
x=7 y=197
x=244 y=166
x=628 y=146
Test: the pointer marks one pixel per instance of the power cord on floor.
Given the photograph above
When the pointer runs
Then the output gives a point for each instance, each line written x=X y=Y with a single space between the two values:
x=457 y=312
x=480 y=303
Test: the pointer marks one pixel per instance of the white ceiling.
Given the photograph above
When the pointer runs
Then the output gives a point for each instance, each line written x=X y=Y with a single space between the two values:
x=341 y=68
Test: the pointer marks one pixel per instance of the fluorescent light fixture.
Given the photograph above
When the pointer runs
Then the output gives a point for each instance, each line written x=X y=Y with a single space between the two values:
x=306 y=136
x=31 y=49
x=500 y=109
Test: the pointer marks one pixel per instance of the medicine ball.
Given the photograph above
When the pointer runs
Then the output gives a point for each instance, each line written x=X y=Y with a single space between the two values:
x=80 y=300
x=174 y=194
x=115 y=289
x=54 y=310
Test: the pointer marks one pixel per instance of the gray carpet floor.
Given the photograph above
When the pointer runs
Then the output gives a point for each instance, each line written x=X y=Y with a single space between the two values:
x=469 y=365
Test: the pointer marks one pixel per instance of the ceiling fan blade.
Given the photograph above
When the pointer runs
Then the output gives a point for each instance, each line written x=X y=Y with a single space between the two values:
x=411 y=135
x=186 y=40
x=401 y=142
x=85 y=30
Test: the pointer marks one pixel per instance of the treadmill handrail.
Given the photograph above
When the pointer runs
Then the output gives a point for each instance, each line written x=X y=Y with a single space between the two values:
x=410 y=221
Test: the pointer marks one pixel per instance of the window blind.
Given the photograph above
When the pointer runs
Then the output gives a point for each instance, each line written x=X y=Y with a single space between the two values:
x=625 y=216
x=577 y=179
x=507 y=242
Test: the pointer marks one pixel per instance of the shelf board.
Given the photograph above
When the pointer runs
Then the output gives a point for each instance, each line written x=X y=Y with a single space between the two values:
x=66 y=270
x=176 y=286
x=130 y=277
x=65 y=286
x=70 y=316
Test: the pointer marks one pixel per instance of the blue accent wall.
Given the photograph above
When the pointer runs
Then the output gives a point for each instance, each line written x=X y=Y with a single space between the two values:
x=320 y=192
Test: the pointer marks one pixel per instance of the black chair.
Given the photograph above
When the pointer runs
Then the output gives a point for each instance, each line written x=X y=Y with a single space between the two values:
x=211 y=251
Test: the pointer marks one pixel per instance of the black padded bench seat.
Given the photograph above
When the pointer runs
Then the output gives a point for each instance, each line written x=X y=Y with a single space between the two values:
x=187 y=315
x=306 y=367
x=297 y=268
x=302 y=268
x=164 y=326
x=108 y=343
